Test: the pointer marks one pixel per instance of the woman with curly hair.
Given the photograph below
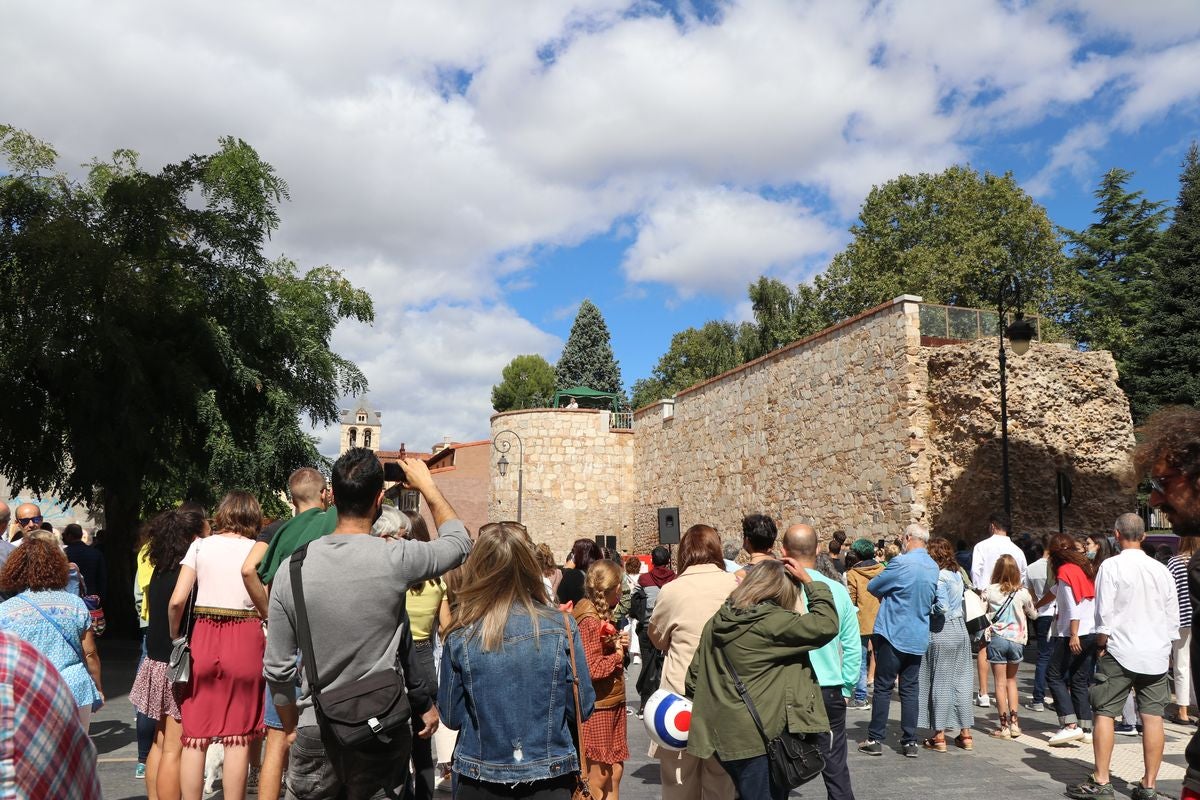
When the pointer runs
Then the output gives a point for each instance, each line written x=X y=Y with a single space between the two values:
x=605 y=741
x=170 y=533
x=52 y=619
x=223 y=700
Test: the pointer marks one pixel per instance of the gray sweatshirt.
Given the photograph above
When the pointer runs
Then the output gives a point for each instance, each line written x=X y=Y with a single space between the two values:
x=354 y=591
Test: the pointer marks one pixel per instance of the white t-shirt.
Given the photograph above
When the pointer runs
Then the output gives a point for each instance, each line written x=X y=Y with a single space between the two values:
x=1037 y=581
x=218 y=561
x=988 y=552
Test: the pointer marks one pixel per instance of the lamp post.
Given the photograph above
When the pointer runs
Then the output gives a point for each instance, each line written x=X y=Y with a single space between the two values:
x=1019 y=333
x=502 y=447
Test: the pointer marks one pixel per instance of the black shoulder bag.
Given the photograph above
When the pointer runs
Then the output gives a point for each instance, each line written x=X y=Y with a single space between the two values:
x=794 y=759
x=363 y=715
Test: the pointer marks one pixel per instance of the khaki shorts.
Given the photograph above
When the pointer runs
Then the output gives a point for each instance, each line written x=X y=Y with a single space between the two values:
x=1112 y=683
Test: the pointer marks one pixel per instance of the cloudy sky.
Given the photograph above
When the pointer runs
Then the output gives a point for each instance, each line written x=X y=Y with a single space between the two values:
x=482 y=166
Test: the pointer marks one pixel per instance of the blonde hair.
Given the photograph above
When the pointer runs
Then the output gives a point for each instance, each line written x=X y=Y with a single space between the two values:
x=501 y=572
x=768 y=581
x=1006 y=574
x=890 y=551
x=602 y=577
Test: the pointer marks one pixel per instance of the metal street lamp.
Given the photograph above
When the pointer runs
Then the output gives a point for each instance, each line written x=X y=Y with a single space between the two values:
x=1019 y=334
x=502 y=447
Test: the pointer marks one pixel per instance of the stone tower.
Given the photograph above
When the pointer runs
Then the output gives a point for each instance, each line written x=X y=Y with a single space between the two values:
x=361 y=426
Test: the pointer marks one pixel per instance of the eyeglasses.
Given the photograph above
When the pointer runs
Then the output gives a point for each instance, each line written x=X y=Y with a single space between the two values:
x=1159 y=482
x=27 y=520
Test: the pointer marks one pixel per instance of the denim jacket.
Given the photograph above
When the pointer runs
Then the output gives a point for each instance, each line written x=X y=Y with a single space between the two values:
x=513 y=707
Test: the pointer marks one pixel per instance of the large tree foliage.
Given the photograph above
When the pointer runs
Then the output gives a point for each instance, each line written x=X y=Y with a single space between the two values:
x=587 y=357
x=695 y=354
x=152 y=352
x=949 y=238
x=1115 y=260
x=527 y=382
x=1165 y=363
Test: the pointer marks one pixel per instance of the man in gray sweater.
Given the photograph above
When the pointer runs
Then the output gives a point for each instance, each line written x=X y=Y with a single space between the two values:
x=354 y=589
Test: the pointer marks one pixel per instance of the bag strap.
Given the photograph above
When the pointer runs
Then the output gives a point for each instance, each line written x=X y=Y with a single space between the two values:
x=74 y=645
x=744 y=693
x=306 y=645
x=583 y=763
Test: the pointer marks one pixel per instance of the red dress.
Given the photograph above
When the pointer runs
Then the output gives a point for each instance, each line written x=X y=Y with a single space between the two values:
x=604 y=734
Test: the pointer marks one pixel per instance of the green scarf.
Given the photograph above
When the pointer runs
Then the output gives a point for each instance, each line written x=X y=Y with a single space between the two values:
x=298 y=531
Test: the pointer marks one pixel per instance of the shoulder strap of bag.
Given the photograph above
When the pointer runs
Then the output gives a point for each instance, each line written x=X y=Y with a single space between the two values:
x=1000 y=611
x=744 y=693
x=303 y=629
x=74 y=645
x=583 y=763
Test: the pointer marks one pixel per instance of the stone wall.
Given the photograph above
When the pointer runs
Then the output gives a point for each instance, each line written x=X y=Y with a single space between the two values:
x=578 y=476
x=1066 y=412
x=821 y=431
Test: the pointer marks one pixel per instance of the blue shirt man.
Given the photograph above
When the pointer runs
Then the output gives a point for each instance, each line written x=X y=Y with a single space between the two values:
x=906 y=589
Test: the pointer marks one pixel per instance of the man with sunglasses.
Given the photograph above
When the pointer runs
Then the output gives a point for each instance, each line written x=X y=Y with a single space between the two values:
x=29 y=519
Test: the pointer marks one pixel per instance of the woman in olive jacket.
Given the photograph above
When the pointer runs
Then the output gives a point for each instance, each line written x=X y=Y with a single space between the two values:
x=765 y=640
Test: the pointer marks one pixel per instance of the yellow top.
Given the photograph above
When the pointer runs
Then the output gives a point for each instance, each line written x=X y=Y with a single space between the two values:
x=142 y=576
x=423 y=609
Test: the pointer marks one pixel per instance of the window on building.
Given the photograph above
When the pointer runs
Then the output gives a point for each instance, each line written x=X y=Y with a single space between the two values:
x=410 y=500
x=354 y=437
x=362 y=417
x=367 y=438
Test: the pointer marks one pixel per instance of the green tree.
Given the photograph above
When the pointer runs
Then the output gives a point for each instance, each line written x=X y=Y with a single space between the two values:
x=587 y=357
x=695 y=354
x=152 y=352
x=1165 y=363
x=1115 y=261
x=527 y=382
x=949 y=238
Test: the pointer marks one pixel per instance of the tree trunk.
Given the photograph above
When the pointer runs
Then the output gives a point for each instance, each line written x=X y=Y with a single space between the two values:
x=122 y=519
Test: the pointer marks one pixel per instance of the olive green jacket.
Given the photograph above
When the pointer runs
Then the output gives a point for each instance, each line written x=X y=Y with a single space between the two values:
x=768 y=647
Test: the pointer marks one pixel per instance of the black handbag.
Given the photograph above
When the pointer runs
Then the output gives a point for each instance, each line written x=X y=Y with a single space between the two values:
x=363 y=715
x=179 y=667
x=793 y=759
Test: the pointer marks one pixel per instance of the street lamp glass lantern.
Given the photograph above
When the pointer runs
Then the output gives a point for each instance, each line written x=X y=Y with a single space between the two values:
x=1020 y=334
x=502 y=465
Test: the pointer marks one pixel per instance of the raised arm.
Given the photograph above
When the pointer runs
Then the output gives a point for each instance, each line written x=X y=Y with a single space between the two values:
x=254 y=585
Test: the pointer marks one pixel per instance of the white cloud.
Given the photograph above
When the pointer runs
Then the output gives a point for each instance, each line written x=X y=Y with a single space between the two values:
x=719 y=240
x=1074 y=154
x=1144 y=24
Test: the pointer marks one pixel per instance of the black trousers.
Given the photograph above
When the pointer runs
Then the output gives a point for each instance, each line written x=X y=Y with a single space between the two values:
x=833 y=746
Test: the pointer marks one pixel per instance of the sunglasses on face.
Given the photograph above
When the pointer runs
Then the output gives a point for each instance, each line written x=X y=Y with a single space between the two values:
x=1159 y=482
x=27 y=520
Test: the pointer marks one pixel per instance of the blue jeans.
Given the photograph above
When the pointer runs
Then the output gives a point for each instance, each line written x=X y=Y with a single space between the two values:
x=890 y=663
x=860 y=691
x=752 y=778
x=1045 y=651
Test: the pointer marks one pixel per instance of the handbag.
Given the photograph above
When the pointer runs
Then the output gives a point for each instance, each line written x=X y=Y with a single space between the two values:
x=582 y=789
x=179 y=666
x=94 y=607
x=793 y=759
x=365 y=714
x=974 y=613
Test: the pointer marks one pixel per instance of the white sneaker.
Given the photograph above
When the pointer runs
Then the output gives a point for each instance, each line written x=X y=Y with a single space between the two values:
x=1066 y=736
x=637 y=659
x=983 y=701
x=1087 y=737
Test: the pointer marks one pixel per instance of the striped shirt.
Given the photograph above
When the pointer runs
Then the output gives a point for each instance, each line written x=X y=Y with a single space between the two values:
x=1178 y=566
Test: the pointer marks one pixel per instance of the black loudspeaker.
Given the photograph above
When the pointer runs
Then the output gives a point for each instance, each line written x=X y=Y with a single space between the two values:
x=606 y=541
x=668 y=526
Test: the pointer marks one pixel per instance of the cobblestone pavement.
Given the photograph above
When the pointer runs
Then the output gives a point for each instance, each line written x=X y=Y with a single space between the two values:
x=1023 y=769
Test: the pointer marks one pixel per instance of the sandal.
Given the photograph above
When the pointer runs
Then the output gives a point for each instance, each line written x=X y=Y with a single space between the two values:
x=965 y=742
x=938 y=745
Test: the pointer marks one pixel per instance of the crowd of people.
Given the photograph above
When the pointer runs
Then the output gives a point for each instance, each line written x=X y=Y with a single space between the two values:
x=353 y=651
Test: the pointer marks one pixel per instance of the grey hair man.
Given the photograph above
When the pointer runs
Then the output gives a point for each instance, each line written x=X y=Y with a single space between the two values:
x=836 y=664
x=730 y=552
x=1137 y=619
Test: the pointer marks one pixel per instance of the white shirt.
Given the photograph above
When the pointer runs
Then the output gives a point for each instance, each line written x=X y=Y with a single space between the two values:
x=1138 y=609
x=987 y=553
x=1037 y=580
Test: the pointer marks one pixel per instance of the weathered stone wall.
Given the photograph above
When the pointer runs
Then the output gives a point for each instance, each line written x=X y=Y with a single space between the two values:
x=578 y=476
x=1066 y=412
x=821 y=431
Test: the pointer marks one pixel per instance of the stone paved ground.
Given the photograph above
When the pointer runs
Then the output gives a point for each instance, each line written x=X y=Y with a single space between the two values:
x=1025 y=769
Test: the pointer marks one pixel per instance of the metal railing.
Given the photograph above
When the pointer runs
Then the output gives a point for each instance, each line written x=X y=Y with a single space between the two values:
x=965 y=324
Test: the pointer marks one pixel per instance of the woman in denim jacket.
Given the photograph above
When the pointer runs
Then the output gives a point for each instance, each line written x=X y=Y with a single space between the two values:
x=506 y=678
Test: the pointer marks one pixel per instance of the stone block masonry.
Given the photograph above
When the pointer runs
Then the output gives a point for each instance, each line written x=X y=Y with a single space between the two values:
x=857 y=427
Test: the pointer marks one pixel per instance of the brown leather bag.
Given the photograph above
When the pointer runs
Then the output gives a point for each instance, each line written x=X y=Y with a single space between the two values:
x=582 y=789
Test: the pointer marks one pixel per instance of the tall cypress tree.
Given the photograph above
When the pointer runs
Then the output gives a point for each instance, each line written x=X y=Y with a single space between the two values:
x=1114 y=258
x=587 y=357
x=1166 y=361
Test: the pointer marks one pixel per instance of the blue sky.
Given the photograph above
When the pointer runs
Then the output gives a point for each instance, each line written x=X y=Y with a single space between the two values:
x=482 y=170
